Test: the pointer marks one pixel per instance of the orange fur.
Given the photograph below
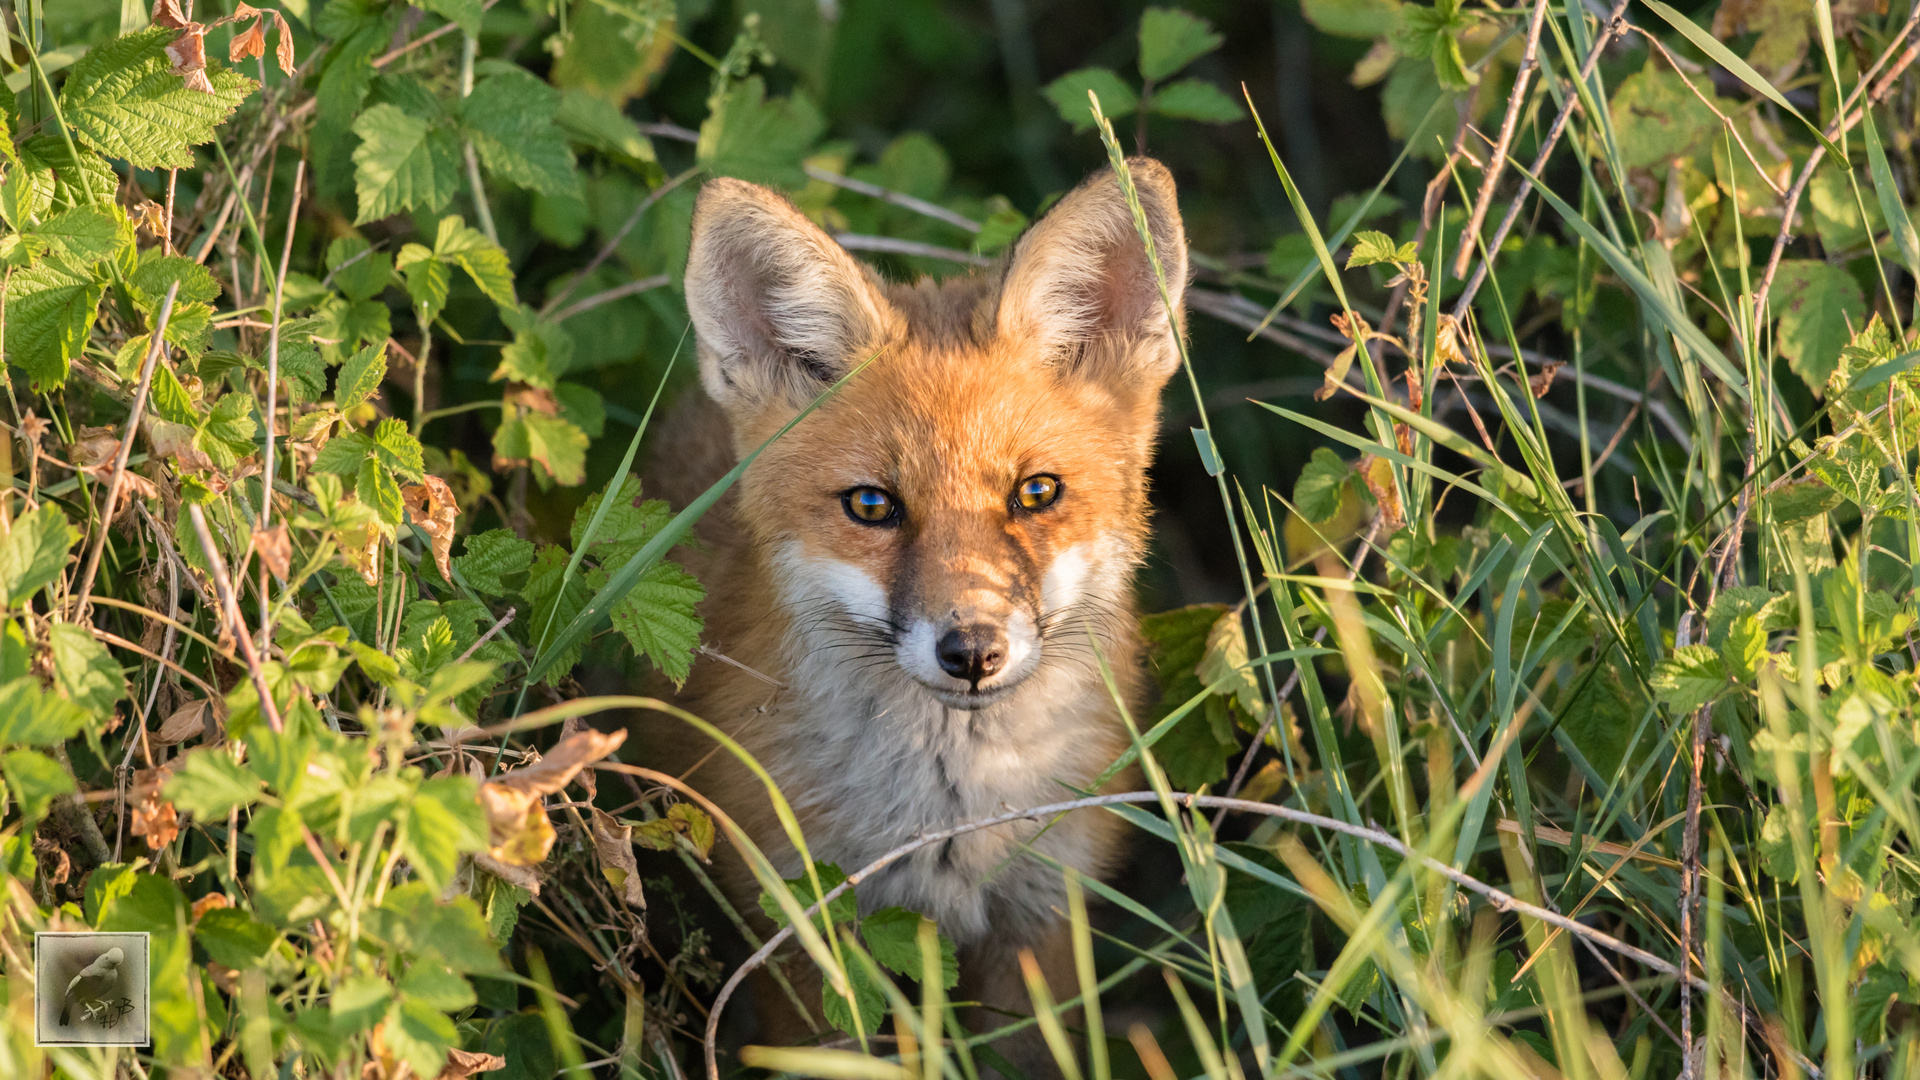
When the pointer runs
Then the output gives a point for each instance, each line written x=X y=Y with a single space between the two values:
x=1051 y=365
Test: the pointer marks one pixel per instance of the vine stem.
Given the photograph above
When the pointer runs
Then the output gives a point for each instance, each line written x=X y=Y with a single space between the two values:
x=155 y=347
x=1497 y=161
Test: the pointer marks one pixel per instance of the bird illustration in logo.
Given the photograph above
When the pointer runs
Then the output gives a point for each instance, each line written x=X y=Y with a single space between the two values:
x=96 y=983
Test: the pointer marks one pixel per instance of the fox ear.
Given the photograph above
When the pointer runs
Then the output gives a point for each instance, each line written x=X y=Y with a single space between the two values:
x=780 y=309
x=1080 y=286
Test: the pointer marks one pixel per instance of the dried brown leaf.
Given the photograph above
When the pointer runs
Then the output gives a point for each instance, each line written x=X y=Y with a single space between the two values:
x=166 y=13
x=93 y=446
x=517 y=823
x=186 y=722
x=524 y=876
x=360 y=546
x=588 y=782
x=210 y=902
x=249 y=42
x=571 y=754
x=173 y=443
x=431 y=506
x=1539 y=384
x=531 y=397
x=464 y=1063
x=55 y=865
x=275 y=550
x=1377 y=472
x=189 y=55
x=613 y=842
x=157 y=820
x=1446 y=341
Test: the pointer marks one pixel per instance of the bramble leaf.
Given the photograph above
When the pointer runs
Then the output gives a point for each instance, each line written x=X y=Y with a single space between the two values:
x=123 y=99
x=1069 y=95
x=402 y=163
x=1170 y=39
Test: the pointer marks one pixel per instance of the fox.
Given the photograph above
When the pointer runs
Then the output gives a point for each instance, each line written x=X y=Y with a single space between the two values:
x=912 y=590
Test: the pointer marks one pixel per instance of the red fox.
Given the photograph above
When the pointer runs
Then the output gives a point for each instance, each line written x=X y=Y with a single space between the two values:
x=906 y=582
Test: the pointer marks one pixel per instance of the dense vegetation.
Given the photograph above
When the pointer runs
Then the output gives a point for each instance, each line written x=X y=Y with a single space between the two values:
x=1534 y=664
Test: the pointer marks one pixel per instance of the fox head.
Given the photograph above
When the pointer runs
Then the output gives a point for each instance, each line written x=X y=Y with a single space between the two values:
x=973 y=501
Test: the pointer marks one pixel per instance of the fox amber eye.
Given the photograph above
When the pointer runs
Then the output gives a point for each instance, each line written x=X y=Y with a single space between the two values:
x=1037 y=492
x=870 y=506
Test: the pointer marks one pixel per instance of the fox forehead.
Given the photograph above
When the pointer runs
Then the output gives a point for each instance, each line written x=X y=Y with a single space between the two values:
x=950 y=433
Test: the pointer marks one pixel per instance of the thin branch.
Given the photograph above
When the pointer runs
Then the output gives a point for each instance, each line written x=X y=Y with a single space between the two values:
x=891 y=246
x=1497 y=161
x=498 y=626
x=618 y=292
x=230 y=612
x=155 y=347
x=614 y=242
x=897 y=198
x=273 y=390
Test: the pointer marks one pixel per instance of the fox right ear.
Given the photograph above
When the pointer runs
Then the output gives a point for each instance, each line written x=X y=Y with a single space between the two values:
x=781 y=310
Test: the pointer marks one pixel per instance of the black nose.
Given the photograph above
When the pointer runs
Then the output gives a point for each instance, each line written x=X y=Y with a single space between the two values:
x=972 y=652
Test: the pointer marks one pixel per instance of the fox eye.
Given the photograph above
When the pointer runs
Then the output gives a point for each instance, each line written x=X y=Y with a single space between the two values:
x=1037 y=492
x=870 y=506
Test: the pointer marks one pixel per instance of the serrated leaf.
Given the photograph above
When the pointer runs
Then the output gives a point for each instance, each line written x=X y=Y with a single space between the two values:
x=1693 y=676
x=509 y=119
x=352 y=323
x=34 y=780
x=463 y=13
x=375 y=486
x=84 y=671
x=628 y=524
x=156 y=272
x=33 y=553
x=659 y=617
x=402 y=163
x=50 y=309
x=1316 y=494
x=123 y=99
x=1170 y=39
x=56 y=181
x=360 y=376
x=892 y=935
x=1195 y=99
x=1069 y=95
x=483 y=260
x=1817 y=306
x=553 y=606
x=446 y=822
x=1370 y=248
x=601 y=125
x=305 y=373
x=1745 y=644
x=226 y=434
x=427 y=280
x=85 y=234
x=759 y=139
x=398 y=450
x=32 y=716
x=539 y=354
x=358 y=271
x=208 y=783
x=844 y=908
x=491 y=556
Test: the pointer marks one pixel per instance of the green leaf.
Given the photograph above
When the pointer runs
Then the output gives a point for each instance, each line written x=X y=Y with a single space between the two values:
x=454 y=933
x=305 y=373
x=358 y=1003
x=437 y=986
x=1657 y=118
x=553 y=606
x=35 y=717
x=1170 y=39
x=540 y=352
x=342 y=456
x=1725 y=58
x=466 y=15
x=34 y=553
x=1193 y=99
x=491 y=556
x=509 y=118
x=1745 y=645
x=402 y=163
x=35 y=780
x=1363 y=19
x=548 y=441
x=360 y=376
x=659 y=618
x=754 y=138
x=226 y=435
x=1370 y=248
x=87 y=234
x=1693 y=676
x=358 y=271
x=597 y=123
x=445 y=822
x=483 y=260
x=892 y=935
x=1196 y=750
x=427 y=280
x=50 y=309
x=1069 y=95
x=1802 y=499
x=375 y=486
x=1815 y=304
x=1316 y=494
x=398 y=450
x=844 y=909
x=58 y=181
x=156 y=272
x=208 y=783
x=627 y=525
x=233 y=937
x=84 y=671
x=352 y=323
x=123 y=99
x=867 y=997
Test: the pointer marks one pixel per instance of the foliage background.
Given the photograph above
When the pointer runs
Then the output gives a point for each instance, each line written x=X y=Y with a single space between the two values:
x=1641 y=654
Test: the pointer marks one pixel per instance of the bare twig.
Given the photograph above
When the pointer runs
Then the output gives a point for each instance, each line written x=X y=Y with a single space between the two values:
x=891 y=246
x=1497 y=160
x=155 y=347
x=273 y=389
x=1616 y=25
x=230 y=612
x=608 y=296
x=897 y=198
x=613 y=242
x=499 y=625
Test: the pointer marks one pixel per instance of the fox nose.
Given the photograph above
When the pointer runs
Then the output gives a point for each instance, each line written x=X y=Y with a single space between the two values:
x=972 y=652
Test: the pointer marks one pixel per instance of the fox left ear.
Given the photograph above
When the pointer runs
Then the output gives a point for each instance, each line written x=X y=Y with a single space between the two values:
x=1079 y=283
